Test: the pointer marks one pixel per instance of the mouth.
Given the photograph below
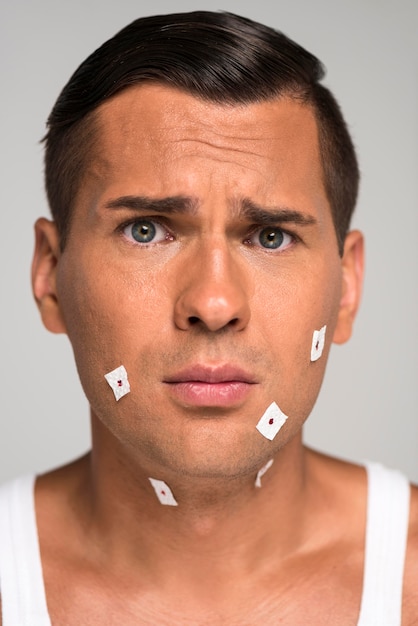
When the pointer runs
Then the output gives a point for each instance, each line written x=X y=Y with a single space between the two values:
x=204 y=386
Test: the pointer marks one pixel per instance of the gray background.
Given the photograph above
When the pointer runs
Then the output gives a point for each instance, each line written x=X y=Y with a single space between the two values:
x=367 y=408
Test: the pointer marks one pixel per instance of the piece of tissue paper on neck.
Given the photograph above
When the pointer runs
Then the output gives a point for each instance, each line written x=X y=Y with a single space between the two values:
x=163 y=492
x=261 y=472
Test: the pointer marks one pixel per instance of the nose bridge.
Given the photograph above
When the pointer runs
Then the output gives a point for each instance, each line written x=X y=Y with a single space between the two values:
x=216 y=258
x=214 y=293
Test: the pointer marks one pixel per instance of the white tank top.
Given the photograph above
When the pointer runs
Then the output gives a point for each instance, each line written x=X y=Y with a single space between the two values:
x=22 y=588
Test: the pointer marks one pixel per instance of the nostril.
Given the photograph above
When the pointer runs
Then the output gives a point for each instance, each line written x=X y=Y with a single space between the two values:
x=193 y=320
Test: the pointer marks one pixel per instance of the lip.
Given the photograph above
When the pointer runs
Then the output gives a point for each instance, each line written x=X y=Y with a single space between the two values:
x=216 y=374
x=205 y=386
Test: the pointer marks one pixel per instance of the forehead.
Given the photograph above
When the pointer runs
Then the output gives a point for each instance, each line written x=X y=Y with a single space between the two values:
x=168 y=141
x=158 y=113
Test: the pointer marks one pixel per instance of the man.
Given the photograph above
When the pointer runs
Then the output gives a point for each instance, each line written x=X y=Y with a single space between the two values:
x=201 y=183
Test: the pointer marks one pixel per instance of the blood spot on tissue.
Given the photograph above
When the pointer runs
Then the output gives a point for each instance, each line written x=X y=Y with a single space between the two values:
x=120 y=383
x=163 y=493
x=271 y=420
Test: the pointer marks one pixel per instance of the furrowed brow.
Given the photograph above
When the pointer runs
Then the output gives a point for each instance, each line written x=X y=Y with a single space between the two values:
x=171 y=204
x=270 y=216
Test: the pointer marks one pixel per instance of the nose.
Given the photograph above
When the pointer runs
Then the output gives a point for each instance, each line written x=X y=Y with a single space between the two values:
x=212 y=292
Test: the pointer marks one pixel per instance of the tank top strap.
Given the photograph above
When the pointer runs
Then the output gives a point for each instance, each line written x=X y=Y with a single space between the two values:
x=21 y=581
x=385 y=549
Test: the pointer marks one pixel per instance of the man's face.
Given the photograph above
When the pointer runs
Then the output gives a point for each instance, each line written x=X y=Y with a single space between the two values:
x=202 y=256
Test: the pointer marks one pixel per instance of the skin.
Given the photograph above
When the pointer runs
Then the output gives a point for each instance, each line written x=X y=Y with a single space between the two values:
x=204 y=291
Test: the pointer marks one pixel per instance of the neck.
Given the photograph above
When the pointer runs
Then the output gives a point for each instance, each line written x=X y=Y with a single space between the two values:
x=215 y=516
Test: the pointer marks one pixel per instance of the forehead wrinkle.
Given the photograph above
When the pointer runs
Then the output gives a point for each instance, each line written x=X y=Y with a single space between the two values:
x=213 y=143
x=223 y=154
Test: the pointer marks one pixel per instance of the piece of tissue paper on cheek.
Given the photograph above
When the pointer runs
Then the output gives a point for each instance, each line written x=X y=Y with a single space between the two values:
x=318 y=343
x=118 y=380
x=271 y=421
x=163 y=492
x=261 y=472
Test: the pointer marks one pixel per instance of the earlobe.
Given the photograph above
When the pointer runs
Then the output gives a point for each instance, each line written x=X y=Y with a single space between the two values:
x=352 y=282
x=44 y=267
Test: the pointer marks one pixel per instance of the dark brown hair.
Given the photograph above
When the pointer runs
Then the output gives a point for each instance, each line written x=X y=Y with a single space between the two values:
x=216 y=56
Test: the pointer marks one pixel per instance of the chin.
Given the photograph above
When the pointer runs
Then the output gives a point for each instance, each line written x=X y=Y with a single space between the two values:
x=225 y=458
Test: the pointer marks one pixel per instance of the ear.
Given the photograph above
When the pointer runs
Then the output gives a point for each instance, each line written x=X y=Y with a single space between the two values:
x=44 y=269
x=352 y=282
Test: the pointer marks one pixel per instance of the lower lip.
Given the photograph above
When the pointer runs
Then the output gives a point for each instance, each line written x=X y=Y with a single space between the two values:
x=203 y=394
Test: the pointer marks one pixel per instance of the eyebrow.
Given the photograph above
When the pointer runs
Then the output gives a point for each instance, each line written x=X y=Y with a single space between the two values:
x=265 y=216
x=273 y=215
x=171 y=204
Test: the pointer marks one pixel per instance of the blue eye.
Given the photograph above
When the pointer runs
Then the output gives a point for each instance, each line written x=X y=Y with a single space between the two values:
x=145 y=231
x=271 y=238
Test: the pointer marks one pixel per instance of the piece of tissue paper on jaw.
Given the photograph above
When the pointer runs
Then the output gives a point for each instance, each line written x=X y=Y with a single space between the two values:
x=118 y=380
x=163 y=492
x=271 y=421
x=261 y=472
x=318 y=342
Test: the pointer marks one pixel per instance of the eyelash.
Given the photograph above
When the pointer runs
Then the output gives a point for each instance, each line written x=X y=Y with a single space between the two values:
x=170 y=237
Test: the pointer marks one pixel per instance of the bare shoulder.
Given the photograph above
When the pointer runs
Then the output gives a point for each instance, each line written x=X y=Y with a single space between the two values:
x=56 y=490
x=340 y=477
x=410 y=608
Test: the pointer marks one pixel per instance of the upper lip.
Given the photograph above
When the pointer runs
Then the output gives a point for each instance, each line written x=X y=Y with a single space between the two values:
x=214 y=374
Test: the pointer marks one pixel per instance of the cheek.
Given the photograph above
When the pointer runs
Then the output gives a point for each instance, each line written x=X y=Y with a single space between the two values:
x=110 y=316
x=113 y=318
x=295 y=303
x=286 y=312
